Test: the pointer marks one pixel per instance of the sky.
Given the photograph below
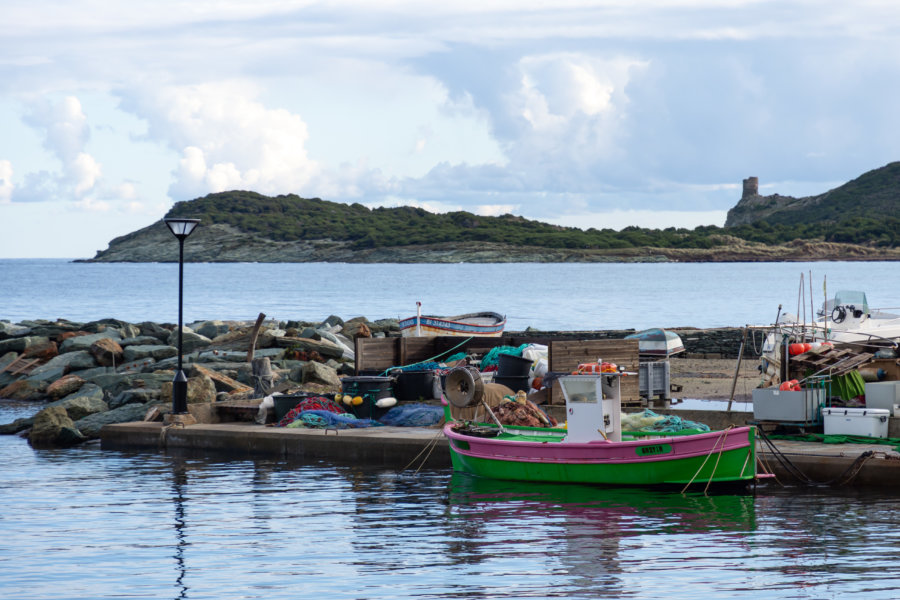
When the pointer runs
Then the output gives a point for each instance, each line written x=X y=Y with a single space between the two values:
x=586 y=114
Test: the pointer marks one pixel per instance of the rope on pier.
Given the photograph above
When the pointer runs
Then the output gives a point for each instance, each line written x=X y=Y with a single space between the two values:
x=843 y=479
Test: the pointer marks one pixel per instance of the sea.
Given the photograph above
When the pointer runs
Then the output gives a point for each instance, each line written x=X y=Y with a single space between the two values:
x=85 y=523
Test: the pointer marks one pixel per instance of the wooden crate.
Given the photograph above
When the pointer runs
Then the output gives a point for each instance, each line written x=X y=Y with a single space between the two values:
x=566 y=355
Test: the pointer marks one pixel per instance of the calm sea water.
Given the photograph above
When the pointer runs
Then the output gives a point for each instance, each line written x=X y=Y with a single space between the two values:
x=543 y=296
x=86 y=523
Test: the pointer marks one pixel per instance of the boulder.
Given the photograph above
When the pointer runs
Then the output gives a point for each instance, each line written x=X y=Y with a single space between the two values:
x=42 y=351
x=157 y=352
x=313 y=372
x=107 y=352
x=340 y=341
x=70 y=361
x=333 y=321
x=9 y=330
x=86 y=401
x=136 y=366
x=46 y=375
x=357 y=329
x=222 y=382
x=68 y=384
x=322 y=347
x=199 y=389
x=211 y=329
x=91 y=425
x=115 y=383
x=24 y=389
x=141 y=340
x=53 y=428
x=54 y=329
x=134 y=396
x=190 y=341
x=83 y=342
x=154 y=330
x=21 y=344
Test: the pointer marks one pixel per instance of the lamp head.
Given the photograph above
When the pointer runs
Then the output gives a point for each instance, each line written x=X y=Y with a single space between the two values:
x=181 y=228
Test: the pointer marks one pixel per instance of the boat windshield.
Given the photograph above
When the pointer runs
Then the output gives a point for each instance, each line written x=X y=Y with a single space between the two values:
x=856 y=298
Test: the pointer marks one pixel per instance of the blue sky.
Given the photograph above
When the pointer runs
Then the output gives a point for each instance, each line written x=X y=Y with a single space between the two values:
x=589 y=114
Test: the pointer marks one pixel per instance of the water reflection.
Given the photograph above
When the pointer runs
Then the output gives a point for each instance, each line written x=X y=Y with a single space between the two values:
x=591 y=531
x=179 y=481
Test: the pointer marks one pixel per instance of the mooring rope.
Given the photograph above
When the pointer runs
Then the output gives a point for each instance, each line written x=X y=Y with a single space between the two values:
x=722 y=436
x=843 y=479
x=429 y=446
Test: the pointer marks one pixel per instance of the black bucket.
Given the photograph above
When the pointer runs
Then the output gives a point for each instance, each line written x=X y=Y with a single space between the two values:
x=512 y=366
x=416 y=385
x=371 y=389
x=514 y=383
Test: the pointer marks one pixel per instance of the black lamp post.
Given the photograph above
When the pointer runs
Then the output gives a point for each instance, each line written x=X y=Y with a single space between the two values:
x=180 y=228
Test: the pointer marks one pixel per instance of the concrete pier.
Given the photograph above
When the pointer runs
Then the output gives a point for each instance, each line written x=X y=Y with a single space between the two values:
x=412 y=447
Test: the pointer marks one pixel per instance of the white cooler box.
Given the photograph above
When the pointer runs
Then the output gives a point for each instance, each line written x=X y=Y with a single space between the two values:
x=869 y=422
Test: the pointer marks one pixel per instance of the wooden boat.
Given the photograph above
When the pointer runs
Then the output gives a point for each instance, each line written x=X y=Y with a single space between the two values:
x=657 y=342
x=481 y=324
x=593 y=449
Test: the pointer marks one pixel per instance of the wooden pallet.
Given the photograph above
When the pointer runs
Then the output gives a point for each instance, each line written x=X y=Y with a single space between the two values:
x=22 y=366
x=834 y=362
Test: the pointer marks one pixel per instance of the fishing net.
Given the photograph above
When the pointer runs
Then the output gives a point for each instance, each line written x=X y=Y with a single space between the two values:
x=313 y=403
x=413 y=415
x=490 y=359
x=321 y=419
x=650 y=421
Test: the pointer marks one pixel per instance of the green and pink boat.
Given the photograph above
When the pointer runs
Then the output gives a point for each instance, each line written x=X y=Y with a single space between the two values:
x=593 y=449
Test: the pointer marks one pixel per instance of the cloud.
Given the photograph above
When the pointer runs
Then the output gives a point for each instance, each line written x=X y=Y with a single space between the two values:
x=6 y=184
x=227 y=139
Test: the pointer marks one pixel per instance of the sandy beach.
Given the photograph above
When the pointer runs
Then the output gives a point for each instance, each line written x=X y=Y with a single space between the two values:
x=712 y=378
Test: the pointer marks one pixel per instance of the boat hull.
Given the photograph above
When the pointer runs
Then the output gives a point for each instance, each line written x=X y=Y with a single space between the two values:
x=480 y=324
x=722 y=456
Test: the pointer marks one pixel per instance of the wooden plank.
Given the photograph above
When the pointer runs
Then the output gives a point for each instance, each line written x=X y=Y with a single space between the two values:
x=566 y=355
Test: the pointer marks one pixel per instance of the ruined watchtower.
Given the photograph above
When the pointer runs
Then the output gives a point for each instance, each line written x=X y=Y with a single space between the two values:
x=751 y=187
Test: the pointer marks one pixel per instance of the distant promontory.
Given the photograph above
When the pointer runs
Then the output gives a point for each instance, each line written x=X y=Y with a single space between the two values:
x=859 y=220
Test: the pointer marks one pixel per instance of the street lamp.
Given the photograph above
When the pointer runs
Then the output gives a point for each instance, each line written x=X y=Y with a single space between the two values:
x=180 y=228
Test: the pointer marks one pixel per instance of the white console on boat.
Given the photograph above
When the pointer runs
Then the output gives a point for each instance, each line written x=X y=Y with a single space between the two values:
x=593 y=407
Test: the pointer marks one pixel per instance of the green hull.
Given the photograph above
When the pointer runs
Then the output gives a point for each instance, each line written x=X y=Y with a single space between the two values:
x=733 y=465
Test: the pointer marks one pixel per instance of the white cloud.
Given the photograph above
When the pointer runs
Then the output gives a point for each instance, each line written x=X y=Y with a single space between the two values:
x=227 y=139
x=6 y=184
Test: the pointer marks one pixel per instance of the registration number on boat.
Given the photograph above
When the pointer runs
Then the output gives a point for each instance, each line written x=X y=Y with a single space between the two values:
x=653 y=450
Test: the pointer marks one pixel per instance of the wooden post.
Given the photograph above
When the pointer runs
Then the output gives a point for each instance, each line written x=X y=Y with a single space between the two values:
x=737 y=368
x=263 y=377
x=253 y=335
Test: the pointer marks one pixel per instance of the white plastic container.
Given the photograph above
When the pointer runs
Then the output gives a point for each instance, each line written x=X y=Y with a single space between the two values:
x=772 y=404
x=869 y=422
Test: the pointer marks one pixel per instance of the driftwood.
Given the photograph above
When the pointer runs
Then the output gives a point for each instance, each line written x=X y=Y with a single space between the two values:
x=263 y=377
x=253 y=335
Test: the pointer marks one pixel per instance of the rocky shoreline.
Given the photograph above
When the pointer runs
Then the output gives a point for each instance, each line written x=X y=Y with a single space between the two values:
x=111 y=371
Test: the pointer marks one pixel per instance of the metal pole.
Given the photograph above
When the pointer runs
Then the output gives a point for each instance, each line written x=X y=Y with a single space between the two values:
x=179 y=384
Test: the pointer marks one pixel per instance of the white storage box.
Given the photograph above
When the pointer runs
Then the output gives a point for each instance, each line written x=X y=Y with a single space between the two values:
x=869 y=422
x=772 y=404
x=883 y=394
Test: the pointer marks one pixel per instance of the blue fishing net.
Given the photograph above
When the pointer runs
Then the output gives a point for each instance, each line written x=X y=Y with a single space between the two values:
x=413 y=415
x=322 y=419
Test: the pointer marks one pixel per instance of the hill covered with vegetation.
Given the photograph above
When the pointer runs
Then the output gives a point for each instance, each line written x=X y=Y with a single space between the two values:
x=859 y=220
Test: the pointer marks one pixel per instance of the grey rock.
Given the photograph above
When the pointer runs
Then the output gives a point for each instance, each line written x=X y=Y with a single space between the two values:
x=46 y=374
x=115 y=383
x=157 y=352
x=90 y=426
x=83 y=342
x=270 y=353
x=134 y=396
x=309 y=333
x=70 y=361
x=21 y=344
x=190 y=341
x=333 y=320
x=53 y=329
x=154 y=330
x=314 y=372
x=86 y=401
x=89 y=373
x=9 y=330
x=16 y=426
x=211 y=329
x=53 y=428
x=136 y=366
x=140 y=340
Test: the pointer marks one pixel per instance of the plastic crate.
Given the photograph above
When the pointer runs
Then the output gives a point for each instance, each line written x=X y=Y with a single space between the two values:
x=653 y=379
